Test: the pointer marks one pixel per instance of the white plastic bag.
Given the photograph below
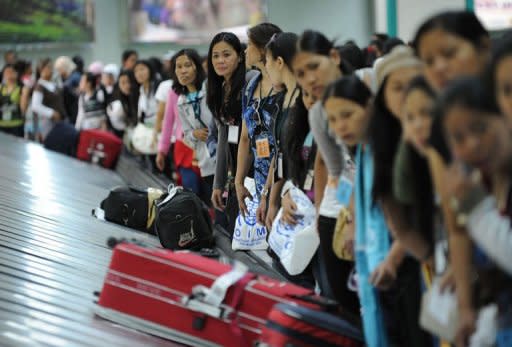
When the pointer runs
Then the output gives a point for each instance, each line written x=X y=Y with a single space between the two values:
x=143 y=139
x=295 y=245
x=248 y=234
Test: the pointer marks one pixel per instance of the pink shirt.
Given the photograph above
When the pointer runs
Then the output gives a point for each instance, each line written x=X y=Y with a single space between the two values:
x=171 y=125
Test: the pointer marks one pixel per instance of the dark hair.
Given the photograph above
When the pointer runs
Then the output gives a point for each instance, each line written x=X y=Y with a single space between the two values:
x=352 y=54
x=130 y=101
x=157 y=66
x=315 y=42
x=381 y=36
x=79 y=62
x=297 y=126
x=391 y=43
x=231 y=109
x=384 y=134
x=501 y=50
x=283 y=45
x=262 y=33
x=463 y=24
x=41 y=65
x=196 y=60
x=153 y=80
x=91 y=79
x=349 y=87
x=419 y=82
x=127 y=54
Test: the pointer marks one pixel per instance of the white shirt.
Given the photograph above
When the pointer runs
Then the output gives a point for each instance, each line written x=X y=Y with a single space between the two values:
x=85 y=121
x=163 y=91
x=116 y=114
x=37 y=100
x=147 y=105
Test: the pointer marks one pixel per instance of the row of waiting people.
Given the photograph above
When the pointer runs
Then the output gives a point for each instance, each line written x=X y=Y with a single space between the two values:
x=407 y=164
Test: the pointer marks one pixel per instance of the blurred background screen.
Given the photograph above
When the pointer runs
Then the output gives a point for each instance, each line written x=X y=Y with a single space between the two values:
x=32 y=21
x=192 y=21
x=494 y=14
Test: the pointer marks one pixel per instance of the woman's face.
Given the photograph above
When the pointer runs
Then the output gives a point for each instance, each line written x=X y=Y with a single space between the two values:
x=142 y=73
x=225 y=60
x=10 y=75
x=416 y=119
x=274 y=69
x=186 y=71
x=347 y=119
x=396 y=84
x=503 y=73
x=47 y=72
x=315 y=71
x=447 y=56
x=253 y=54
x=125 y=85
x=481 y=141
x=307 y=99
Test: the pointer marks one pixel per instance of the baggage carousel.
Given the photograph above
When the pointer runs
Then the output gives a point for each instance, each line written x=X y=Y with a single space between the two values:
x=53 y=253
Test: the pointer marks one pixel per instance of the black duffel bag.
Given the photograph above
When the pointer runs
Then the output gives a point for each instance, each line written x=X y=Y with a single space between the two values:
x=182 y=221
x=132 y=207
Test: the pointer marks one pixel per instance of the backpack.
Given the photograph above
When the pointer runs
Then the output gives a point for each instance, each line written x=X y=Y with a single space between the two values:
x=132 y=207
x=182 y=221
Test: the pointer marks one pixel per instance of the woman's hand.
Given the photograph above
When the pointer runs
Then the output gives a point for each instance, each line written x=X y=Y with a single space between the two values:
x=447 y=281
x=160 y=161
x=261 y=212
x=466 y=326
x=217 y=200
x=241 y=193
x=384 y=275
x=271 y=215
x=289 y=209
x=201 y=134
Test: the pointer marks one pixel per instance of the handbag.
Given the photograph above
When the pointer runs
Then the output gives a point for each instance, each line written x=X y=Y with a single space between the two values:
x=249 y=234
x=341 y=234
x=143 y=139
x=295 y=245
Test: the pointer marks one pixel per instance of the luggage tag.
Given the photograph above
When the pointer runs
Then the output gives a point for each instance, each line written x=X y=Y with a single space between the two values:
x=280 y=166
x=308 y=183
x=233 y=134
x=262 y=147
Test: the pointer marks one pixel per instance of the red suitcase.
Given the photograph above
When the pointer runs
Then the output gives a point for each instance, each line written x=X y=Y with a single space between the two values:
x=179 y=296
x=99 y=147
x=298 y=326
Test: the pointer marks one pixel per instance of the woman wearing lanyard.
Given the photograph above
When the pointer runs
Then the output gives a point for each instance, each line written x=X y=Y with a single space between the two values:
x=258 y=114
x=194 y=115
x=279 y=54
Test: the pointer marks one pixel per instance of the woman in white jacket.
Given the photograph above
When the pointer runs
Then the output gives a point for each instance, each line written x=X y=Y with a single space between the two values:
x=195 y=116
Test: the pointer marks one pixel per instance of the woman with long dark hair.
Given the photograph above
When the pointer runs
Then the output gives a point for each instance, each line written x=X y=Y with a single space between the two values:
x=260 y=105
x=226 y=78
x=122 y=110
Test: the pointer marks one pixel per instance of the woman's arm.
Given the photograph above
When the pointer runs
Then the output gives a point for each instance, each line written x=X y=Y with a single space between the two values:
x=160 y=113
x=221 y=168
x=320 y=174
x=39 y=108
x=244 y=160
x=25 y=97
x=168 y=123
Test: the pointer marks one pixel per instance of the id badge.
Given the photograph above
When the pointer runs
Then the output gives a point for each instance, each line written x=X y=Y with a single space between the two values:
x=344 y=192
x=6 y=113
x=308 y=183
x=262 y=148
x=280 y=166
x=233 y=134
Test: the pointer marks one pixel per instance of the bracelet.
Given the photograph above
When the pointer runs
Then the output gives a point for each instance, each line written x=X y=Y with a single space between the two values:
x=264 y=192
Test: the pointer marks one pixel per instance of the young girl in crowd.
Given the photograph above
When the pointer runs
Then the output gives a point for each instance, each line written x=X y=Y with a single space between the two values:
x=194 y=114
x=479 y=137
x=226 y=78
x=91 y=104
x=147 y=104
x=14 y=98
x=47 y=102
x=260 y=104
x=122 y=110
x=317 y=64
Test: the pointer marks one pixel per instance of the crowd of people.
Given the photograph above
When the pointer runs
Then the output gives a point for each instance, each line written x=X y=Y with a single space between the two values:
x=408 y=146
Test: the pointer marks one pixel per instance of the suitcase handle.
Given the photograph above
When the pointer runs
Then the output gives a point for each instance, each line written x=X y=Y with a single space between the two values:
x=325 y=303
